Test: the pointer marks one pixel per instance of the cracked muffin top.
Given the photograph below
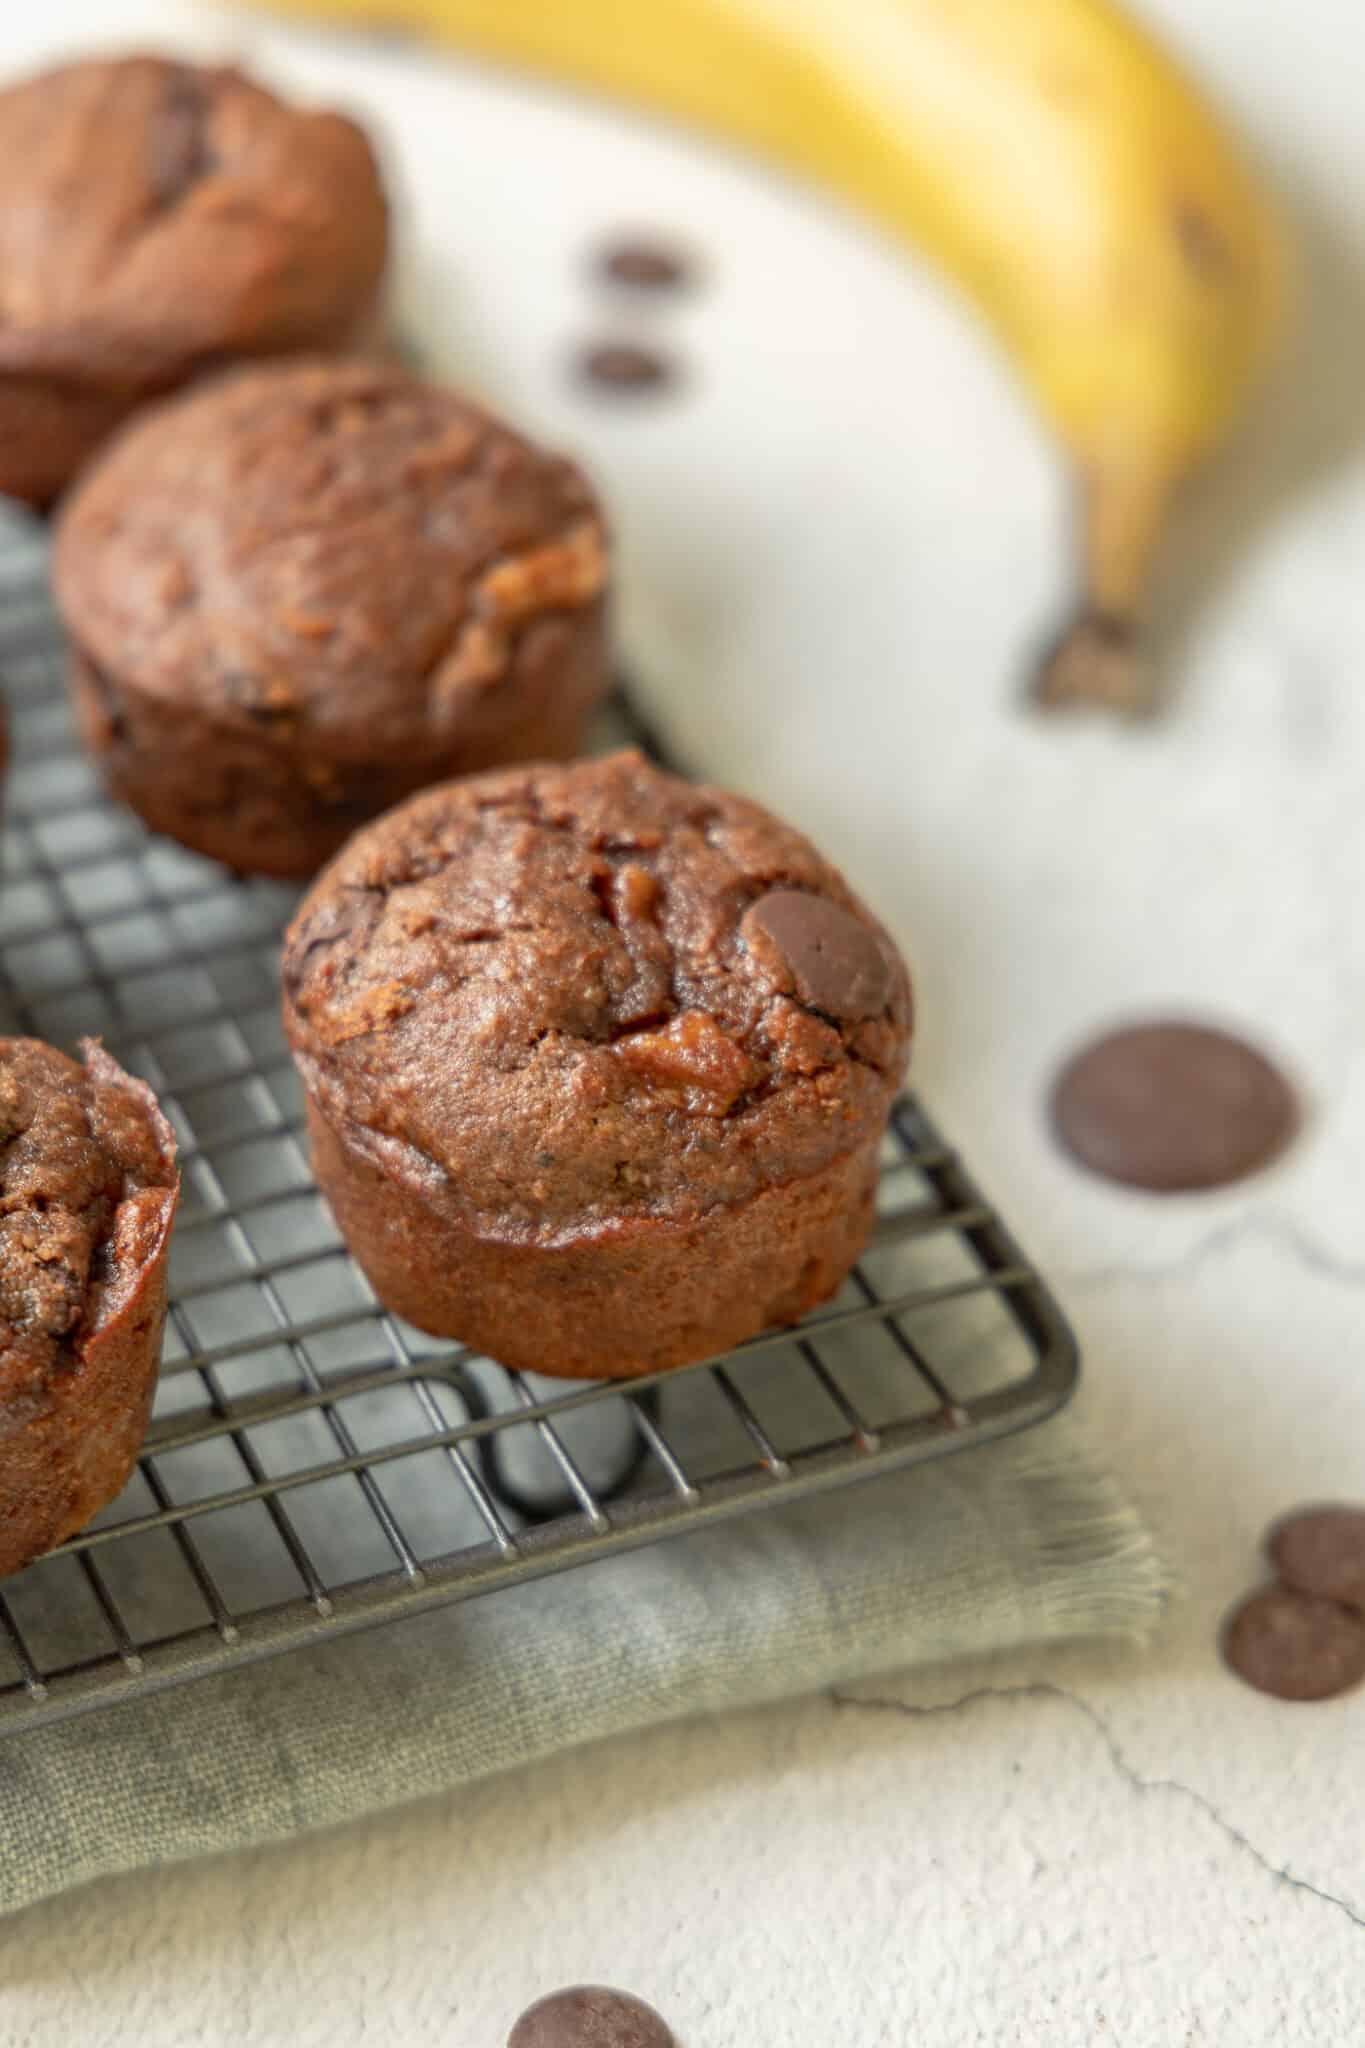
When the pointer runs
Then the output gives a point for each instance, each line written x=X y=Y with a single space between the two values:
x=87 y=1184
x=561 y=998
x=161 y=215
x=325 y=548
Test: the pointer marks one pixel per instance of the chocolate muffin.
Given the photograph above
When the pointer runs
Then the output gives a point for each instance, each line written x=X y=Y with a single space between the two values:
x=88 y=1190
x=597 y=1063
x=300 y=593
x=159 y=218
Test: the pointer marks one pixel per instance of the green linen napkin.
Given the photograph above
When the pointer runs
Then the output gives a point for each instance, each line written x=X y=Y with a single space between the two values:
x=1024 y=1541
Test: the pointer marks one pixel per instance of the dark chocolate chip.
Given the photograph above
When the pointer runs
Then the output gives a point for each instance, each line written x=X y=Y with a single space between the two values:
x=590 y=2016
x=1322 y=1551
x=1295 y=1647
x=1171 y=1106
x=625 y=366
x=835 y=964
x=644 y=264
x=180 y=152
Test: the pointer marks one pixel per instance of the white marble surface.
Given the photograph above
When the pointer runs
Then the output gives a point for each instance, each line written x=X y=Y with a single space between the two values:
x=838 y=548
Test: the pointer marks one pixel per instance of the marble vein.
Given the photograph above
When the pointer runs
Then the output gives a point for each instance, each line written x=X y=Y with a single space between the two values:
x=1283 y=1233
x=1123 y=1768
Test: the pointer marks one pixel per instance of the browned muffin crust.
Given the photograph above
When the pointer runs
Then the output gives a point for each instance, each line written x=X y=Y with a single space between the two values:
x=88 y=1191
x=159 y=218
x=597 y=1063
x=302 y=592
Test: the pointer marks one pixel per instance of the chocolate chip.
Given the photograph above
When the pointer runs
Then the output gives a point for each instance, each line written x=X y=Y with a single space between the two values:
x=625 y=366
x=644 y=265
x=1322 y=1551
x=1170 y=1106
x=1295 y=1647
x=827 y=954
x=179 y=150
x=590 y=2016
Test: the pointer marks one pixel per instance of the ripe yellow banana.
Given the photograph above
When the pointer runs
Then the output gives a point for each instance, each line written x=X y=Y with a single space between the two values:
x=1045 y=153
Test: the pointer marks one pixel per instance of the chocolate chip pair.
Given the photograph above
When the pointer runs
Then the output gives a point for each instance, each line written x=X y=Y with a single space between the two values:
x=1304 y=1638
x=622 y=365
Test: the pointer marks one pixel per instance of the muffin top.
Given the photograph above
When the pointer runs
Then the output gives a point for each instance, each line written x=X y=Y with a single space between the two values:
x=87 y=1189
x=563 y=998
x=158 y=214
x=325 y=548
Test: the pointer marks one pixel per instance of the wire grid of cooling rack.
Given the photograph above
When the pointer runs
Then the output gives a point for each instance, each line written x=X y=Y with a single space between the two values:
x=314 y=1465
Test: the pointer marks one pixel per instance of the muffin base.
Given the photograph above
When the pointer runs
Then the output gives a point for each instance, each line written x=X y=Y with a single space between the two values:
x=240 y=797
x=641 y=1296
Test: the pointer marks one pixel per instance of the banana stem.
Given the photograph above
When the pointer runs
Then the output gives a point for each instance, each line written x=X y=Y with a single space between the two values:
x=1096 y=662
x=1098 y=659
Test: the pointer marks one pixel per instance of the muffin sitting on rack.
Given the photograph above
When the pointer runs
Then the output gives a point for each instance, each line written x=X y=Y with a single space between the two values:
x=161 y=218
x=88 y=1192
x=597 y=1064
x=297 y=594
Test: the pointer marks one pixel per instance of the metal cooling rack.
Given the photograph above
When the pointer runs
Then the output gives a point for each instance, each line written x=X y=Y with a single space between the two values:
x=314 y=1465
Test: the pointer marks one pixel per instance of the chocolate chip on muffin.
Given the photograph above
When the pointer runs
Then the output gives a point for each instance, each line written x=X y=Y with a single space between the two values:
x=300 y=593
x=161 y=218
x=88 y=1190
x=597 y=1063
